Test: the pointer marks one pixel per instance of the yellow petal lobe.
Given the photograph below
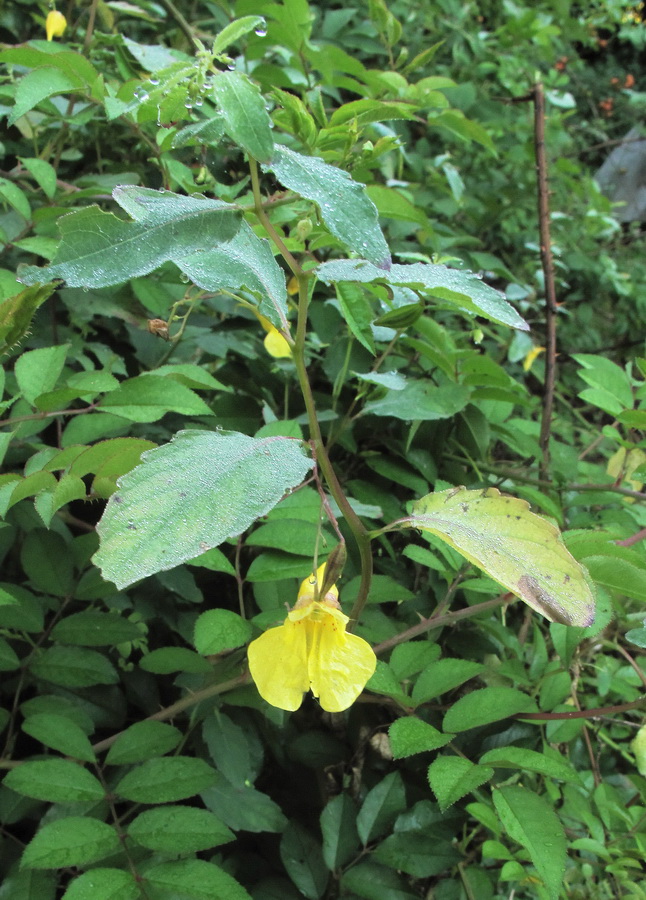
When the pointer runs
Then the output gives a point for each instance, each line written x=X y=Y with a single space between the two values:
x=278 y=665
x=276 y=345
x=55 y=24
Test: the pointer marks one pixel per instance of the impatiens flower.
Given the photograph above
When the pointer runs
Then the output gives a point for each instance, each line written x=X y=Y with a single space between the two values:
x=311 y=651
x=55 y=24
x=275 y=344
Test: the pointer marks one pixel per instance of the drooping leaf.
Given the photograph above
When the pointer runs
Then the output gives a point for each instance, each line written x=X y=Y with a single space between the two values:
x=191 y=495
x=531 y=821
x=515 y=547
x=345 y=207
x=421 y=400
x=463 y=289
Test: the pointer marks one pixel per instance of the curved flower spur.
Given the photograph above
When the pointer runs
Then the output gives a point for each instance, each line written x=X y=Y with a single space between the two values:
x=311 y=650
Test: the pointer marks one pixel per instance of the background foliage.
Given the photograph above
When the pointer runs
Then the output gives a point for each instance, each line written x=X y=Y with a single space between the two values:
x=140 y=762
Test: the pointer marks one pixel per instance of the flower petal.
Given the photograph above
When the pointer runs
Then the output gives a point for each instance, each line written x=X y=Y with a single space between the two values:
x=339 y=665
x=276 y=345
x=278 y=665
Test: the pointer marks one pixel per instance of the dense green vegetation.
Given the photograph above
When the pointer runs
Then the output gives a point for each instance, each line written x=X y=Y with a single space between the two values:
x=253 y=319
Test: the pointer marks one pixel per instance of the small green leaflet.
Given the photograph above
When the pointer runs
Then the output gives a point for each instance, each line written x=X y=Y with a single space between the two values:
x=515 y=547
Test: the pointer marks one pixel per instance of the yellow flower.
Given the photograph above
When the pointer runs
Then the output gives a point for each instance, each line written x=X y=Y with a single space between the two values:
x=311 y=651
x=531 y=356
x=55 y=24
x=275 y=344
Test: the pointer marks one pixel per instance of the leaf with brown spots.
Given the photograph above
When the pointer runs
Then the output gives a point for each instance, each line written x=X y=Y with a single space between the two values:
x=520 y=550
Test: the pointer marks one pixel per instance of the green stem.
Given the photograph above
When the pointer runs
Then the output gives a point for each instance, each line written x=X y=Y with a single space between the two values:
x=355 y=524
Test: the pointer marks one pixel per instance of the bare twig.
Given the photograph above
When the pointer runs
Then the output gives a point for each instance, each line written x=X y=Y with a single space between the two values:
x=548 y=276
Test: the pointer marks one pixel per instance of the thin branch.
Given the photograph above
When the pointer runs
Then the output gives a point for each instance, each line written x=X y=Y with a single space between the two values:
x=583 y=713
x=548 y=277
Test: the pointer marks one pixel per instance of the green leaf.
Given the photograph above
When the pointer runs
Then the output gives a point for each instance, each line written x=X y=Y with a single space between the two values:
x=103 y=884
x=235 y=30
x=345 y=207
x=443 y=675
x=95 y=629
x=303 y=860
x=191 y=495
x=38 y=371
x=73 y=667
x=381 y=806
x=530 y=820
x=45 y=557
x=409 y=735
x=421 y=401
x=461 y=288
x=357 y=313
x=217 y=630
x=339 y=831
x=178 y=830
x=43 y=172
x=243 y=808
x=229 y=748
x=36 y=86
x=419 y=854
x=611 y=389
x=9 y=661
x=17 y=312
x=451 y=777
x=515 y=547
x=373 y=881
x=98 y=249
x=552 y=765
x=75 y=841
x=289 y=535
x=55 y=780
x=487 y=705
x=193 y=879
x=143 y=740
x=166 y=780
x=59 y=733
x=147 y=398
x=165 y=660
x=246 y=120
x=28 y=885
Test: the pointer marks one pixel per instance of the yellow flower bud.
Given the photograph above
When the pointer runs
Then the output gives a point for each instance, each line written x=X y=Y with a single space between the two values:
x=55 y=24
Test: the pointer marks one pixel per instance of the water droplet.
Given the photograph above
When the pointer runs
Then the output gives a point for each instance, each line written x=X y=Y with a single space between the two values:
x=199 y=101
x=261 y=30
x=189 y=104
x=231 y=66
x=153 y=80
x=183 y=277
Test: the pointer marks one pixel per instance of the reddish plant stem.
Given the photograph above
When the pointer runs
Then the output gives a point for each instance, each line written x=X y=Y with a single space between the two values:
x=582 y=713
x=548 y=276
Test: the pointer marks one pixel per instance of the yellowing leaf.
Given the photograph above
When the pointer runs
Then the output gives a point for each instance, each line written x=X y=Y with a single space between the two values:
x=623 y=463
x=518 y=549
